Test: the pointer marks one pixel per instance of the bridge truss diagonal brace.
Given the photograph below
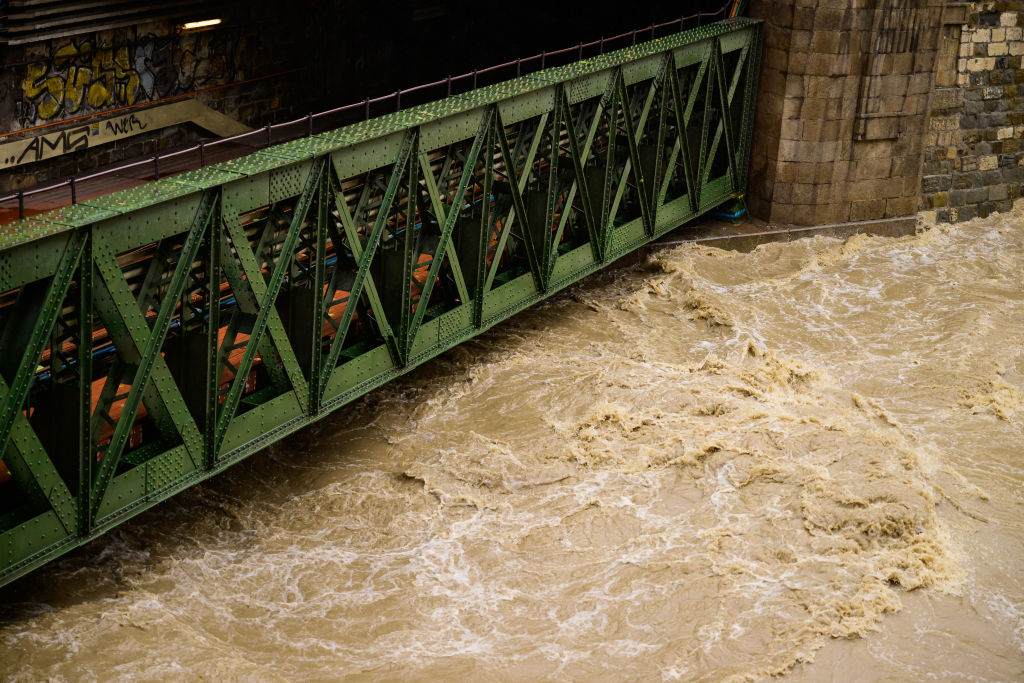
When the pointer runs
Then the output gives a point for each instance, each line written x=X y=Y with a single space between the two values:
x=140 y=346
x=23 y=453
x=518 y=183
x=442 y=216
x=634 y=152
x=632 y=166
x=266 y=295
x=724 y=102
x=448 y=225
x=373 y=296
x=330 y=364
x=682 y=149
x=579 y=185
x=516 y=188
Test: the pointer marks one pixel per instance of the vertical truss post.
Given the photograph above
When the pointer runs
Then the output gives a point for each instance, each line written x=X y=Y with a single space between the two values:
x=214 y=238
x=86 y=273
x=410 y=255
x=485 y=229
x=319 y=268
x=543 y=231
x=605 y=233
x=704 y=165
x=655 y=182
x=753 y=70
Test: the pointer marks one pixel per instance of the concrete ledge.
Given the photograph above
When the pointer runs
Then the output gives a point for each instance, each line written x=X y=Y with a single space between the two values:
x=746 y=236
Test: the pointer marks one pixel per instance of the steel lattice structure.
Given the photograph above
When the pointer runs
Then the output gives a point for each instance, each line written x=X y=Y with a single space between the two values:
x=152 y=337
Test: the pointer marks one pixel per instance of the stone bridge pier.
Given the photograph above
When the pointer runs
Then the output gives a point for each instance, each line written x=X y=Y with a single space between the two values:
x=876 y=109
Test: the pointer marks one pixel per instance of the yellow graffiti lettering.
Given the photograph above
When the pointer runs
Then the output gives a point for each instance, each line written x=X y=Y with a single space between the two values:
x=74 y=88
x=66 y=54
x=49 y=91
x=88 y=76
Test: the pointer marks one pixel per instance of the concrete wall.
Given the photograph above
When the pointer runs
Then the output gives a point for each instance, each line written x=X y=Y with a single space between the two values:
x=53 y=85
x=974 y=163
x=843 y=108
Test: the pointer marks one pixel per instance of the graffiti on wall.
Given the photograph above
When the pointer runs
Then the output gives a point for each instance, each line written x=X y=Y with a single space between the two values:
x=27 y=150
x=85 y=76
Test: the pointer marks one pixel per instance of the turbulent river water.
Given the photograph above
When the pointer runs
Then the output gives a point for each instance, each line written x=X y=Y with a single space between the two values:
x=804 y=461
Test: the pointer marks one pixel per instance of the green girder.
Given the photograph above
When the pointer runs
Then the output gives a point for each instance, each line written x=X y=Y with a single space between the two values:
x=153 y=337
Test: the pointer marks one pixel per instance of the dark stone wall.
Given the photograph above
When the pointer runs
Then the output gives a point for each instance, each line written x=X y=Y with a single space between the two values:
x=974 y=163
x=843 y=108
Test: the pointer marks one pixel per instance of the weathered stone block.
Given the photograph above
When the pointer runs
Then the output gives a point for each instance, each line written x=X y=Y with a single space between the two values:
x=983 y=63
x=998 y=193
x=935 y=183
x=949 y=122
x=900 y=206
x=825 y=42
x=871 y=168
x=832 y=213
x=781 y=214
x=993 y=177
x=803 y=193
x=976 y=195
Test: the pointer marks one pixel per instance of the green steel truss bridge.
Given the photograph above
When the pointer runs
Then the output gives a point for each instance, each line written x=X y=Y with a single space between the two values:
x=152 y=337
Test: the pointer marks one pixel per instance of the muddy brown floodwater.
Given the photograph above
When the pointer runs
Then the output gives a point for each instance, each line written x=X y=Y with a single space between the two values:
x=805 y=461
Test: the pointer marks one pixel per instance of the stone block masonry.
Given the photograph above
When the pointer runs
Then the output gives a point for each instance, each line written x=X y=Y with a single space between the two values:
x=973 y=156
x=843 y=109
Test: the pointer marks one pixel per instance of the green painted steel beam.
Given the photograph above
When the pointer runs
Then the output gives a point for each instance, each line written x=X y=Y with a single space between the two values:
x=177 y=327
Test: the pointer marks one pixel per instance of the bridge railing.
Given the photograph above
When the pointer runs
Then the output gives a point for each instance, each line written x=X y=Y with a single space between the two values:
x=152 y=337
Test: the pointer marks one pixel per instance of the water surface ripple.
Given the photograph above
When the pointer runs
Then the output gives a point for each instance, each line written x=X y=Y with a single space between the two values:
x=805 y=460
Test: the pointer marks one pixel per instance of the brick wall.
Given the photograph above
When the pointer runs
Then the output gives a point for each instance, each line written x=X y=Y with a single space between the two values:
x=974 y=164
x=843 y=108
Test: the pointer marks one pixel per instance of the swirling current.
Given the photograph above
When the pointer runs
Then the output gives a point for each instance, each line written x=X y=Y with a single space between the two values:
x=806 y=461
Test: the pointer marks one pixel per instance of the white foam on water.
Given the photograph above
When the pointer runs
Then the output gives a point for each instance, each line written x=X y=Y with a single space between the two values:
x=714 y=466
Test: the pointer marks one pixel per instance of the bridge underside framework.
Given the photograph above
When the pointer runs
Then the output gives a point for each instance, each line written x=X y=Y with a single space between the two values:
x=152 y=337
